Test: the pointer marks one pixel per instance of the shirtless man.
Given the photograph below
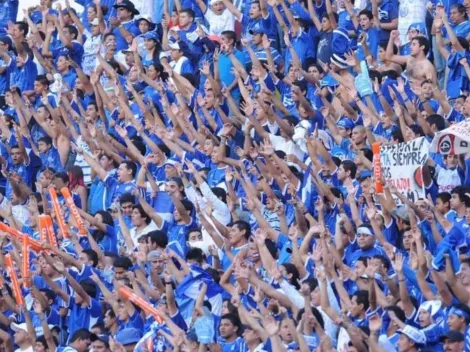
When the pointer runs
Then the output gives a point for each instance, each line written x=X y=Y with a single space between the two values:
x=418 y=68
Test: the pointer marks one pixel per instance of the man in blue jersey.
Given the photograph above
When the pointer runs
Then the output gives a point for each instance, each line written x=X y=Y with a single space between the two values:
x=115 y=186
x=84 y=308
x=124 y=26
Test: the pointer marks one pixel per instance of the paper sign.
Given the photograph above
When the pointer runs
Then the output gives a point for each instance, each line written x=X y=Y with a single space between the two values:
x=401 y=167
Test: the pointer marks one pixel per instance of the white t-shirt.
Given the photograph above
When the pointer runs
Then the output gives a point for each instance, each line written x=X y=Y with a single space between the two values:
x=447 y=179
x=89 y=61
x=287 y=146
x=29 y=349
x=220 y=23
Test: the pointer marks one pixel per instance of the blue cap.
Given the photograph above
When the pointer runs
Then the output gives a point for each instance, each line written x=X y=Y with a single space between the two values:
x=151 y=35
x=258 y=30
x=128 y=336
x=365 y=174
x=345 y=123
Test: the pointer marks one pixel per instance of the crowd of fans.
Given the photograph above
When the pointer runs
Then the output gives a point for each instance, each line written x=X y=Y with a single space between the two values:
x=218 y=156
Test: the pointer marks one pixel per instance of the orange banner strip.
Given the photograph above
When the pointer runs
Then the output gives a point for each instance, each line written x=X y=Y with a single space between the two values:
x=127 y=293
x=14 y=281
x=377 y=167
x=25 y=268
x=58 y=213
x=35 y=245
x=74 y=210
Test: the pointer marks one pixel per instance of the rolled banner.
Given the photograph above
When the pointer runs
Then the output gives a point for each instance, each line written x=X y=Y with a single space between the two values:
x=58 y=213
x=14 y=232
x=50 y=231
x=25 y=268
x=377 y=167
x=14 y=281
x=34 y=245
x=43 y=228
x=127 y=293
x=74 y=210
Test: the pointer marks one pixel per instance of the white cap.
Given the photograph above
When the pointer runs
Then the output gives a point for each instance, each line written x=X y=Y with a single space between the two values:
x=174 y=46
x=95 y=22
x=212 y=2
x=16 y=327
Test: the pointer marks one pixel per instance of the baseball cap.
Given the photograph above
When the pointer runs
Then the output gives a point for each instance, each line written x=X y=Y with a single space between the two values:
x=128 y=336
x=402 y=213
x=95 y=22
x=17 y=327
x=258 y=30
x=413 y=334
x=174 y=46
x=102 y=337
x=146 y=17
x=345 y=123
x=151 y=35
x=452 y=336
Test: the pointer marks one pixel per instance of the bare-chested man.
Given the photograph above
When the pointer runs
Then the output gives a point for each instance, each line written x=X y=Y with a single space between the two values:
x=418 y=68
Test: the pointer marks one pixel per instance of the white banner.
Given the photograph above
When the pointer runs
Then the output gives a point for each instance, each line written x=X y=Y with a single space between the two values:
x=453 y=140
x=401 y=166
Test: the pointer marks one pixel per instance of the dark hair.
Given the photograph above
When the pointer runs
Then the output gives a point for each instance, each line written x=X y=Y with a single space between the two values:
x=187 y=205
x=189 y=12
x=460 y=191
x=42 y=79
x=108 y=35
x=384 y=261
x=220 y=193
x=398 y=312
x=437 y=120
x=142 y=212
x=89 y=287
x=92 y=255
x=348 y=165
x=73 y=30
x=195 y=254
x=444 y=197
x=243 y=226
x=158 y=237
x=291 y=269
x=97 y=234
x=46 y=139
x=234 y=320
x=50 y=295
x=422 y=41
x=464 y=42
x=367 y=13
x=231 y=35
x=63 y=176
x=130 y=165
x=23 y=26
x=123 y=262
x=82 y=334
x=397 y=135
x=126 y=198
x=460 y=8
x=362 y=297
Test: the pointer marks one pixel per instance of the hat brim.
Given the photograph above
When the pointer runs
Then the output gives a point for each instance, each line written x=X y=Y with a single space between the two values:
x=133 y=10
